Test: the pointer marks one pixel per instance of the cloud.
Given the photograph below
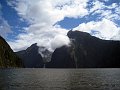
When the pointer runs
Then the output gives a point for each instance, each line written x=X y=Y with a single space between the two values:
x=42 y=15
x=4 y=26
x=59 y=41
x=42 y=35
x=97 y=5
x=110 y=12
x=49 y=11
x=106 y=28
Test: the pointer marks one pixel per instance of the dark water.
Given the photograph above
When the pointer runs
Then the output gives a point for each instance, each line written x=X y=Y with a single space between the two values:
x=59 y=79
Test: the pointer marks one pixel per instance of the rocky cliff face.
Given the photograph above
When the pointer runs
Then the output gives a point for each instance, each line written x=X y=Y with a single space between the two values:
x=86 y=51
x=8 y=58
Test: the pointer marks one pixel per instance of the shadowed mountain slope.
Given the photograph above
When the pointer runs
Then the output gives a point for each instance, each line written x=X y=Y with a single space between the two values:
x=31 y=57
x=8 y=58
x=86 y=51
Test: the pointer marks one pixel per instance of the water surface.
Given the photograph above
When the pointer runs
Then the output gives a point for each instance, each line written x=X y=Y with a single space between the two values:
x=60 y=79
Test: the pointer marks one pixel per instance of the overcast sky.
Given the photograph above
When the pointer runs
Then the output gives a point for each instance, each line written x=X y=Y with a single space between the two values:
x=24 y=22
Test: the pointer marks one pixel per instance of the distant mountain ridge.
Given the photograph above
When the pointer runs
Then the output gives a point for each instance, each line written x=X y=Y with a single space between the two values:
x=85 y=51
x=34 y=56
x=31 y=57
x=8 y=59
x=94 y=52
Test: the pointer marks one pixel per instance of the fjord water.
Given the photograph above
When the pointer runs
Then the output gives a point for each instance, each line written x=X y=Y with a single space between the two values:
x=60 y=79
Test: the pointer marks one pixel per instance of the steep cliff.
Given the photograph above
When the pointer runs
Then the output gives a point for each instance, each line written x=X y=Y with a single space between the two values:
x=87 y=51
x=8 y=58
x=90 y=51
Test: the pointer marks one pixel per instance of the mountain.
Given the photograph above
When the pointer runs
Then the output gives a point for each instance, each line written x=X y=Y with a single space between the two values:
x=94 y=52
x=86 y=51
x=31 y=57
x=34 y=56
x=8 y=58
x=61 y=58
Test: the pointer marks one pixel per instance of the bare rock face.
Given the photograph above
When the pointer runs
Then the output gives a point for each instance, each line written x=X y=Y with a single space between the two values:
x=8 y=59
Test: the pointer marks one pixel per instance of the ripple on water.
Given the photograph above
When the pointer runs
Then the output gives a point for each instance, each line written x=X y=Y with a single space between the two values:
x=60 y=79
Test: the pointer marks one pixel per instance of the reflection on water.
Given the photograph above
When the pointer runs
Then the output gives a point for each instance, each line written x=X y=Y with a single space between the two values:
x=60 y=79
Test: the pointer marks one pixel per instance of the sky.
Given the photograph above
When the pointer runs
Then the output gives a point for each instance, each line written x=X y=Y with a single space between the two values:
x=46 y=22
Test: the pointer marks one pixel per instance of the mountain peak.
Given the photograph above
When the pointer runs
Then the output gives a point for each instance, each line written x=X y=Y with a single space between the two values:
x=32 y=47
x=75 y=34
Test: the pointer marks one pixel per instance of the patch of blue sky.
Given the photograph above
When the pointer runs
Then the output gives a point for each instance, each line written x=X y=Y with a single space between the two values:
x=117 y=22
x=110 y=2
x=70 y=23
x=115 y=18
x=15 y=22
x=90 y=4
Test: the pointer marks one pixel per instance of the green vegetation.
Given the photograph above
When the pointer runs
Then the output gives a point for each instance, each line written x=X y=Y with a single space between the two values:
x=8 y=59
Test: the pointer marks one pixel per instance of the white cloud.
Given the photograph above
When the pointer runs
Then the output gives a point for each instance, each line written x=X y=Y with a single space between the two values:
x=42 y=15
x=60 y=40
x=47 y=11
x=97 y=5
x=4 y=26
x=106 y=11
x=42 y=35
x=106 y=28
